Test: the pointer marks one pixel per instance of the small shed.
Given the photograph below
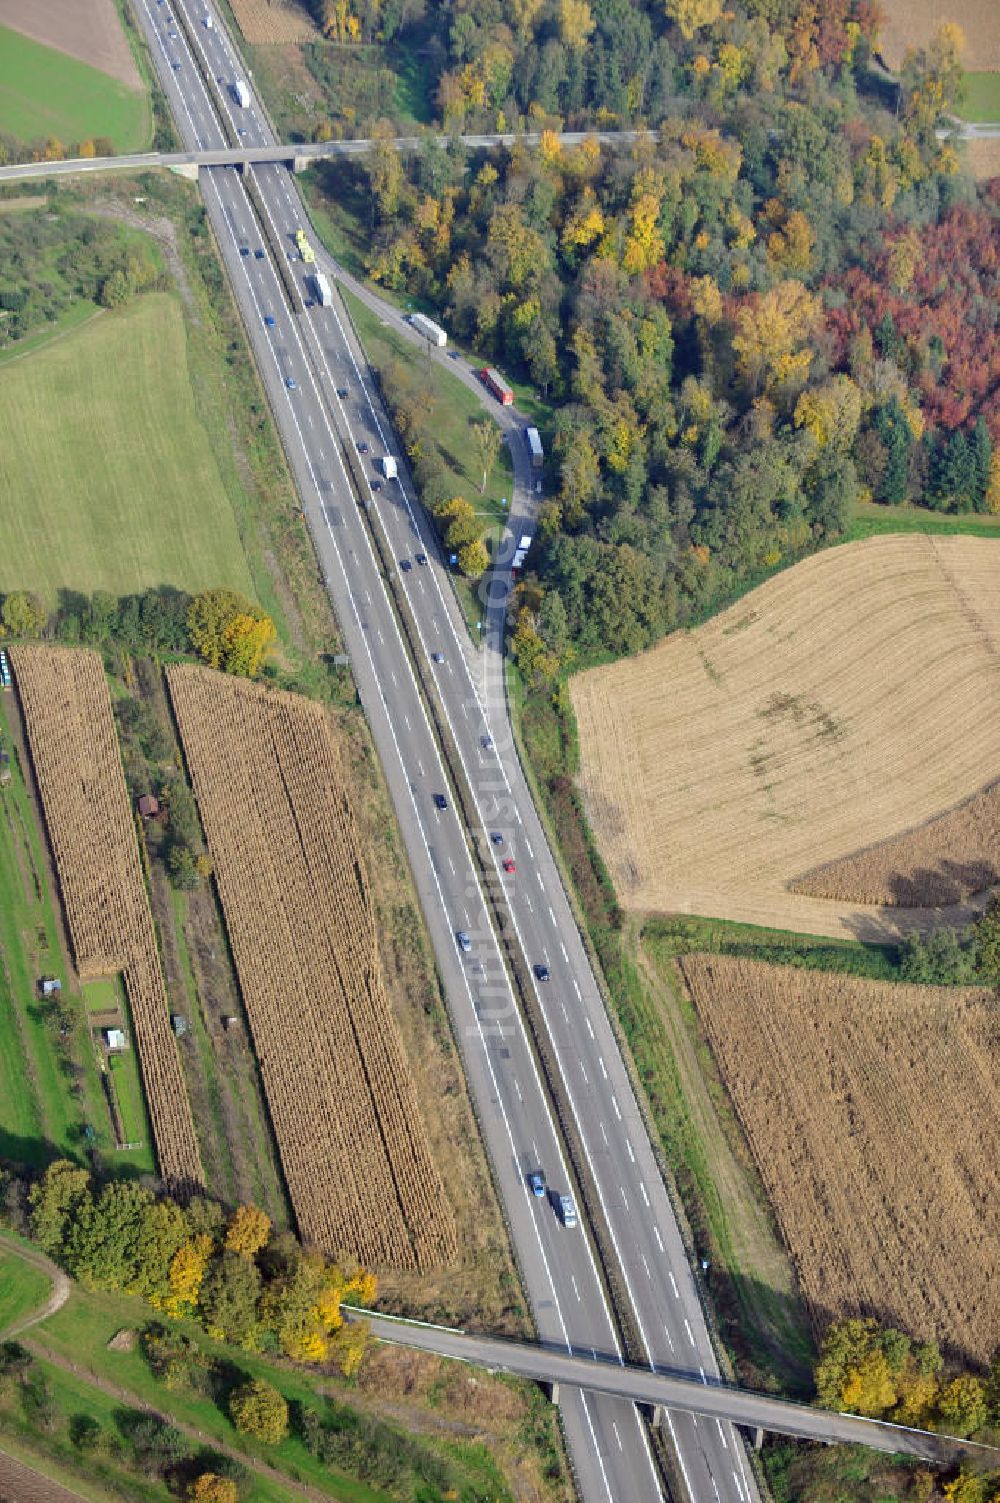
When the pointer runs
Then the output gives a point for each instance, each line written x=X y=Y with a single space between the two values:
x=49 y=986
x=148 y=805
x=179 y=1024
x=115 y=1038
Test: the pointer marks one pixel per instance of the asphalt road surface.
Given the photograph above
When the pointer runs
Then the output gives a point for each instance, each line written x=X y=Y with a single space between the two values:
x=307 y=362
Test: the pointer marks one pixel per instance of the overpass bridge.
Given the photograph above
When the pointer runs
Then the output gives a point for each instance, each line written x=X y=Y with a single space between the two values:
x=659 y=1390
x=301 y=155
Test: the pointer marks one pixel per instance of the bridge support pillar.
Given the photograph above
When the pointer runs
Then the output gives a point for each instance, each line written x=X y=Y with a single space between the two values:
x=758 y=1437
x=299 y=164
x=186 y=169
x=551 y=1391
x=656 y=1417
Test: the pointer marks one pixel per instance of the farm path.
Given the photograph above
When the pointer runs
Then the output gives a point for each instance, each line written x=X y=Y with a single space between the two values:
x=59 y=1294
x=135 y=1401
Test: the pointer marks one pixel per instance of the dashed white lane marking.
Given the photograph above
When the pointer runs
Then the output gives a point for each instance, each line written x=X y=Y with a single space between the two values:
x=583 y=1073
x=600 y=1061
x=551 y=914
x=659 y=1239
x=673 y=1284
x=624 y=1196
x=538 y=879
x=562 y=946
x=576 y=1291
x=670 y=1339
x=722 y=1434
x=617 y=1436
x=628 y=1145
x=604 y=1135
x=646 y=1265
x=518 y=1090
x=618 y=1110
x=564 y=1012
x=576 y=987
x=739 y=1490
x=690 y=1333
x=645 y=1197
x=590 y=1027
x=527 y=847
x=703 y=1378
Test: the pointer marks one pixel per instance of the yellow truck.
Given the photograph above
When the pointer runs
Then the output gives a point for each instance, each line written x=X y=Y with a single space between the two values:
x=305 y=249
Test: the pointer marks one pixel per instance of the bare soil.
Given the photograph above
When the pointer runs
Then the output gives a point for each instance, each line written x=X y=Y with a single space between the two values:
x=273 y=22
x=86 y=29
x=845 y=702
x=873 y=1113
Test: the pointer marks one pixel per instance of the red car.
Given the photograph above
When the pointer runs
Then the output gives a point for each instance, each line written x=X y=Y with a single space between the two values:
x=508 y=865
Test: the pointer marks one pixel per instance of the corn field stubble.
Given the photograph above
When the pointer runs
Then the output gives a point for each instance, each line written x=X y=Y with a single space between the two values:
x=271 y=791
x=872 y=1112
x=74 y=748
x=845 y=701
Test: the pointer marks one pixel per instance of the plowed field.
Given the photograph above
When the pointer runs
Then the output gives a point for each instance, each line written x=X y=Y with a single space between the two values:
x=873 y=1112
x=845 y=702
x=913 y=23
x=74 y=749
x=271 y=791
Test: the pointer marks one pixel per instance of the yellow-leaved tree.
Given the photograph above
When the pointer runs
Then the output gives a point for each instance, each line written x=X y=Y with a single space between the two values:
x=691 y=15
x=248 y=1230
x=774 y=330
x=187 y=1270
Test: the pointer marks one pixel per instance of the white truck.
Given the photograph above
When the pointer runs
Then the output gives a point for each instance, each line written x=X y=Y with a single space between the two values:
x=208 y=22
x=389 y=468
x=241 y=94
x=323 y=289
x=429 y=329
x=521 y=552
x=534 y=448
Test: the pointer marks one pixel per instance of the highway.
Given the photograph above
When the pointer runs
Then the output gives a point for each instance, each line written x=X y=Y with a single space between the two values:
x=324 y=402
x=756 y=1411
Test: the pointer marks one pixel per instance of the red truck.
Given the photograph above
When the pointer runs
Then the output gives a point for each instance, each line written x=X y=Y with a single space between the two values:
x=494 y=382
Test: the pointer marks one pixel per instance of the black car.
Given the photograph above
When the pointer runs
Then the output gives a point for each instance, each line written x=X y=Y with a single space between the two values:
x=362 y=447
x=542 y=971
x=406 y=564
x=421 y=558
x=341 y=392
x=376 y=485
x=440 y=801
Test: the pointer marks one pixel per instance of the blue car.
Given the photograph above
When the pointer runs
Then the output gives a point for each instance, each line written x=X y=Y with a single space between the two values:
x=269 y=320
x=290 y=383
x=536 y=1183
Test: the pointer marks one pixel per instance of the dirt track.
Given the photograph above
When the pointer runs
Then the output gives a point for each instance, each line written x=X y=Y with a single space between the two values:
x=86 y=29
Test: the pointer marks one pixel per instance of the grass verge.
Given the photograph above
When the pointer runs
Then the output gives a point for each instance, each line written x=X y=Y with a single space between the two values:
x=22 y=1289
x=44 y=92
x=870 y=520
x=982 y=98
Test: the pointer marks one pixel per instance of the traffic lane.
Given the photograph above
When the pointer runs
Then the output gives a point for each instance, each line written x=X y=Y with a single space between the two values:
x=472 y=913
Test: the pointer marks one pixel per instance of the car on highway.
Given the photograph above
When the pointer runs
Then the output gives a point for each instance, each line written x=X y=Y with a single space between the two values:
x=362 y=447
x=291 y=383
x=509 y=866
x=421 y=558
x=567 y=1211
x=536 y=1183
x=173 y=36
x=440 y=802
x=176 y=67
x=496 y=837
x=341 y=392
x=244 y=250
x=406 y=564
x=259 y=254
x=269 y=320
x=437 y=657
x=376 y=485
x=486 y=742
x=542 y=971
x=464 y=942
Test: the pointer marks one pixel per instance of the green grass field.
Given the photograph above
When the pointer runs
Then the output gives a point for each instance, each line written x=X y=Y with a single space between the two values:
x=22 y=1288
x=870 y=519
x=47 y=93
x=982 y=97
x=109 y=480
x=124 y=1071
x=103 y=996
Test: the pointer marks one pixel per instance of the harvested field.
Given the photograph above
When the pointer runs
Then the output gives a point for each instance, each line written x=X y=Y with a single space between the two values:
x=290 y=871
x=982 y=157
x=74 y=749
x=850 y=699
x=273 y=23
x=912 y=23
x=873 y=1112
x=89 y=30
x=943 y=862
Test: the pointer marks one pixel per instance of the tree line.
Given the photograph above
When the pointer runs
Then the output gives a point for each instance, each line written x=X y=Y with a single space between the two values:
x=240 y=1280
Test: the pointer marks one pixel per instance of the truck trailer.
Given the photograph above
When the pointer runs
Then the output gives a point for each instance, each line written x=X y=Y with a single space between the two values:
x=521 y=552
x=305 y=249
x=429 y=329
x=241 y=94
x=494 y=382
x=535 y=449
x=323 y=289
x=389 y=468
